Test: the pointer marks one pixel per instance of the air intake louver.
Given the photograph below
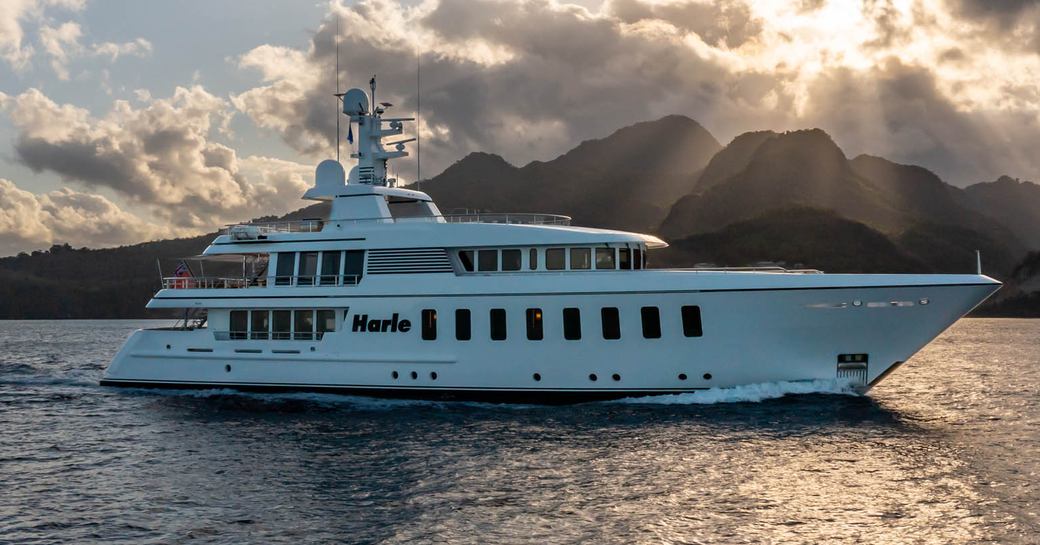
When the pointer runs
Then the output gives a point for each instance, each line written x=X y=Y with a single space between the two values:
x=426 y=260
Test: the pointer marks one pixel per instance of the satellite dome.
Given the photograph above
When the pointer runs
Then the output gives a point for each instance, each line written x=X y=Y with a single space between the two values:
x=355 y=102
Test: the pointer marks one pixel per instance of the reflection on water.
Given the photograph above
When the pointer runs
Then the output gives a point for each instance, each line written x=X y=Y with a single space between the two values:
x=945 y=451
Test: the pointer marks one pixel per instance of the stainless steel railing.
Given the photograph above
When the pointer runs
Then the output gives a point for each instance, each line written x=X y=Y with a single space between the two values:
x=213 y=282
x=268 y=335
x=246 y=231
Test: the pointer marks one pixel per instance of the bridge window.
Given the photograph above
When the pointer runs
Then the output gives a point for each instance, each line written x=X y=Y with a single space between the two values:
x=281 y=324
x=487 y=260
x=261 y=323
x=624 y=258
x=637 y=258
x=353 y=267
x=534 y=324
x=691 y=321
x=611 y=323
x=555 y=259
x=498 y=324
x=303 y=325
x=308 y=268
x=572 y=324
x=462 y=324
x=466 y=259
x=651 y=322
x=511 y=260
x=330 y=265
x=285 y=268
x=581 y=258
x=239 y=324
x=429 y=324
x=604 y=258
x=532 y=259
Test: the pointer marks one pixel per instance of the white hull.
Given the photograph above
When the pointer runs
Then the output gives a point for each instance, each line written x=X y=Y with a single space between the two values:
x=768 y=328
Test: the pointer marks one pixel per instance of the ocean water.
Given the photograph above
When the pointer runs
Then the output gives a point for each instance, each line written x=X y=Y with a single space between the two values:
x=947 y=450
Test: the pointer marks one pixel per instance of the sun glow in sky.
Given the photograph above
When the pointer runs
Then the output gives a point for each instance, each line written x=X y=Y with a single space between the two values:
x=122 y=121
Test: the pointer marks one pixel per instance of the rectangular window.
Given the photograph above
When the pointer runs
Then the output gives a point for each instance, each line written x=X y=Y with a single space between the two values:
x=303 y=325
x=466 y=259
x=462 y=324
x=326 y=321
x=487 y=260
x=637 y=258
x=581 y=258
x=353 y=267
x=604 y=258
x=260 y=323
x=555 y=259
x=511 y=260
x=284 y=271
x=624 y=258
x=572 y=324
x=239 y=325
x=611 y=323
x=498 y=324
x=281 y=324
x=691 y=321
x=330 y=262
x=651 y=322
x=429 y=324
x=532 y=259
x=534 y=324
x=308 y=269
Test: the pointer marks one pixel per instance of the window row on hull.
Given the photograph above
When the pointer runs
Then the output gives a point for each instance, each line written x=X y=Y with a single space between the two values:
x=551 y=259
x=571 y=328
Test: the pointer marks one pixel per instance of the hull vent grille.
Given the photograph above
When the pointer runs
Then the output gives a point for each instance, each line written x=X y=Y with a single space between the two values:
x=417 y=261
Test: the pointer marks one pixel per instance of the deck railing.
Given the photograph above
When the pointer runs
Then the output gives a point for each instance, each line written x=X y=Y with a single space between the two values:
x=247 y=231
x=268 y=335
x=212 y=282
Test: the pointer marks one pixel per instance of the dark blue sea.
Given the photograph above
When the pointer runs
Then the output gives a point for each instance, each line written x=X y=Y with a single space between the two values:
x=946 y=450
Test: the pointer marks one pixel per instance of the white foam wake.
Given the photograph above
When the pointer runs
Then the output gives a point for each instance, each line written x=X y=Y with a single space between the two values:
x=749 y=393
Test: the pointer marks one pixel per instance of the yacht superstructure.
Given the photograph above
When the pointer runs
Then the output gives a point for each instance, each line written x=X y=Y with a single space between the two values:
x=387 y=296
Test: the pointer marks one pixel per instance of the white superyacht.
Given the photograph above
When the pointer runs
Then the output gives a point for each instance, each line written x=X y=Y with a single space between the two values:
x=389 y=297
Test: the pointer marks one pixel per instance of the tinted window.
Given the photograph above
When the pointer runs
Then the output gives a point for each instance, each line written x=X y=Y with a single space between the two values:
x=611 y=323
x=555 y=259
x=487 y=260
x=239 y=324
x=534 y=324
x=581 y=258
x=462 y=324
x=303 y=325
x=281 y=321
x=286 y=266
x=326 y=321
x=511 y=260
x=308 y=268
x=571 y=324
x=466 y=258
x=429 y=324
x=260 y=324
x=498 y=324
x=605 y=258
x=624 y=258
x=532 y=260
x=691 y=321
x=637 y=258
x=330 y=267
x=353 y=266
x=651 y=322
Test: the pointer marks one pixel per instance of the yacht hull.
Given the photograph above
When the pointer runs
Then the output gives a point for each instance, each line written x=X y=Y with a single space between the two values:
x=857 y=334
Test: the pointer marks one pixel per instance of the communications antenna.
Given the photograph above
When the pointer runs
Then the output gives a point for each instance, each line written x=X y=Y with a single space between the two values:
x=338 y=95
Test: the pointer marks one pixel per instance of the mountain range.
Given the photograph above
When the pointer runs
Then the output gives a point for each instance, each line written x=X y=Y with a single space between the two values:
x=791 y=198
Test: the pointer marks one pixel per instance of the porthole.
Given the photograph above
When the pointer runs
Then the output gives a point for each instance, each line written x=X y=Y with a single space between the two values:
x=593 y=377
x=537 y=377
x=414 y=375
x=923 y=301
x=682 y=376
x=707 y=376
x=616 y=377
x=168 y=346
x=433 y=375
x=227 y=368
x=857 y=303
x=394 y=375
x=312 y=349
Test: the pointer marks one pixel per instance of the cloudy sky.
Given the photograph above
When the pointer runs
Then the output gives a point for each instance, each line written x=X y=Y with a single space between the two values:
x=129 y=120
